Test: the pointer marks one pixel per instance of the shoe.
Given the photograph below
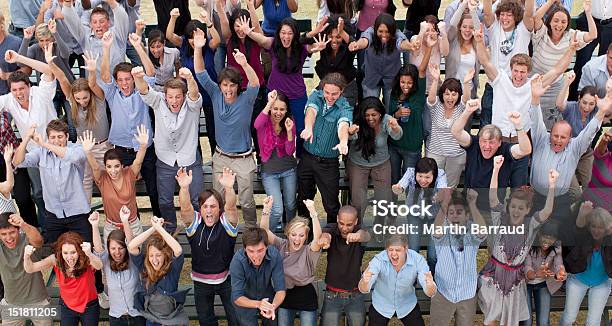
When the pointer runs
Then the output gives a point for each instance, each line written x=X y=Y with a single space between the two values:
x=103 y=300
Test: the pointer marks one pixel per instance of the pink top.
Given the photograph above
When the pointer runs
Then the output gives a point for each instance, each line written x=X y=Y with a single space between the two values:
x=371 y=10
x=268 y=140
x=598 y=191
x=254 y=61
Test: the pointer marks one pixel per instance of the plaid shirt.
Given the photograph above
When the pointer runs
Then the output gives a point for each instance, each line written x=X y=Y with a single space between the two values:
x=7 y=135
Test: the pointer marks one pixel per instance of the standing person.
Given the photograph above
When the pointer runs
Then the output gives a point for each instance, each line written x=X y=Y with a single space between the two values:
x=435 y=33
x=602 y=17
x=7 y=42
x=233 y=112
x=299 y=264
x=177 y=113
x=382 y=43
x=275 y=12
x=391 y=276
x=328 y=116
x=120 y=269
x=345 y=244
x=217 y=221
x=166 y=60
x=369 y=154
x=597 y=72
x=158 y=298
x=417 y=10
x=598 y=190
x=288 y=57
x=335 y=7
x=6 y=186
x=503 y=293
x=74 y=265
x=456 y=275
x=116 y=182
x=163 y=11
x=258 y=280
x=128 y=111
x=23 y=14
x=279 y=168
x=589 y=263
x=445 y=105
x=20 y=288
x=552 y=36
x=186 y=45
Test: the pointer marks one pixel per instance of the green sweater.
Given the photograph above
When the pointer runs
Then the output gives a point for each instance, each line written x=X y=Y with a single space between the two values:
x=412 y=139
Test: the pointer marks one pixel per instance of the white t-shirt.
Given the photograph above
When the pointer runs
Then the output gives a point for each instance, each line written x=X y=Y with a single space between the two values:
x=509 y=98
x=519 y=39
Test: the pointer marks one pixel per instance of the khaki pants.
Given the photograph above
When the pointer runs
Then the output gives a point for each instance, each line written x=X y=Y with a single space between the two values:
x=358 y=181
x=452 y=165
x=98 y=153
x=21 y=322
x=136 y=227
x=442 y=311
x=245 y=175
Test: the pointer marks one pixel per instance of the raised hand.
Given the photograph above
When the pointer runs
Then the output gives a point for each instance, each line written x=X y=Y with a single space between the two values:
x=272 y=96
x=91 y=61
x=142 y=136
x=244 y=25
x=138 y=72
x=124 y=215
x=135 y=39
x=469 y=76
x=431 y=39
x=87 y=141
x=322 y=25
x=570 y=77
x=515 y=118
x=479 y=34
x=184 y=177
x=8 y=152
x=397 y=189
x=498 y=161
x=472 y=105
x=204 y=17
x=267 y=204
x=94 y=218
x=574 y=44
x=310 y=206
x=28 y=251
x=157 y=223
x=537 y=89
x=199 y=38
x=240 y=58
x=175 y=13
x=586 y=5
x=107 y=39
x=31 y=131
x=553 y=176
x=10 y=56
x=442 y=27
x=228 y=178
x=16 y=220
x=320 y=43
x=289 y=125
x=367 y=275
x=340 y=25
x=86 y=247
x=48 y=50
x=28 y=32
x=52 y=25
x=586 y=208
x=472 y=195
x=185 y=73
x=323 y=242
x=140 y=24
x=434 y=70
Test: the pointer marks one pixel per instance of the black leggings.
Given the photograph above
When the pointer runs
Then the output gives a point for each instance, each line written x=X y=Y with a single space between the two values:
x=413 y=318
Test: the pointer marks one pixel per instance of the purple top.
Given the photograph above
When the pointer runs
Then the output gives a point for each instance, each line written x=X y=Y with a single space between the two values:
x=268 y=140
x=290 y=84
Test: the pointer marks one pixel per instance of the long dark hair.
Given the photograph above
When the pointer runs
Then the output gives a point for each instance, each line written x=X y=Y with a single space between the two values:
x=234 y=39
x=551 y=12
x=280 y=96
x=366 y=142
x=425 y=165
x=191 y=26
x=407 y=70
x=389 y=21
x=288 y=63
x=155 y=35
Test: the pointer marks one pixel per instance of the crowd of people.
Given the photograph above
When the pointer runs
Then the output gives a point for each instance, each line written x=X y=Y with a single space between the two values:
x=539 y=167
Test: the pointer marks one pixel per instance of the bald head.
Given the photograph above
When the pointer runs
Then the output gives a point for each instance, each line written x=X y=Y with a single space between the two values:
x=560 y=135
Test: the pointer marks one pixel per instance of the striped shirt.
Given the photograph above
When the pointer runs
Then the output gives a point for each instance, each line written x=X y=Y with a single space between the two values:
x=408 y=182
x=327 y=122
x=441 y=141
x=456 y=271
x=547 y=54
x=6 y=204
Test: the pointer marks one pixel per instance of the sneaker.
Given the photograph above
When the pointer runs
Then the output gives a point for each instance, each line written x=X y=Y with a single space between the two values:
x=103 y=300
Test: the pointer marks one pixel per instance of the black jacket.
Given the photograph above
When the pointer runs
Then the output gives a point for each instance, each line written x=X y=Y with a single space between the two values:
x=577 y=257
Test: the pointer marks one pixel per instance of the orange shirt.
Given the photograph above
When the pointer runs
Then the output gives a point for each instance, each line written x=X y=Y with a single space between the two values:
x=113 y=199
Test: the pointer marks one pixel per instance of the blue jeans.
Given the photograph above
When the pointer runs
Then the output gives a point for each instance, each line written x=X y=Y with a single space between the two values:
x=249 y=317
x=166 y=184
x=297 y=106
x=575 y=292
x=333 y=306
x=486 y=103
x=414 y=241
x=89 y=317
x=204 y=296
x=286 y=317
x=520 y=172
x=538 y=294
x=273 y=182
x=401 y=160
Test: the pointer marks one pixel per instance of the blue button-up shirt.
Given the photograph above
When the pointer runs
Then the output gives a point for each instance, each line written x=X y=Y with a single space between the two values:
x=260 y=282
x=393 y=292
x=456 y=271
x=595 y=73
x=327 y=123
x=127 y=112
x=61 y=178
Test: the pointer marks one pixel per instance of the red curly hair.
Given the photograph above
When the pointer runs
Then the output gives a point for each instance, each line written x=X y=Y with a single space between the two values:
x=71 y=238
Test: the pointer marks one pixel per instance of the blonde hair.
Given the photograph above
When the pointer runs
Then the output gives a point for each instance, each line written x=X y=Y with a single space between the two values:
x=490 y=132
x=297 y=222
x=600 y=216
x=42 y=30
x=79 y=85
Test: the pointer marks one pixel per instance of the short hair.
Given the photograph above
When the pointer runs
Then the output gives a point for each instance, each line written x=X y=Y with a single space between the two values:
x=523 y=60
x=397 y=240
x=490 y=132
x=99 y=11
x=600 y=216
x=176 y=83
x=513 y=6
x=349 y=210
x=254 y=236
x=232 y=74
x=204 y=195
x=18 y=76
x=4 y=220
x=112 y=154
x=453 y=85
x=610 y=47
x=123 y=67
x=57 y=125
x=42 y=30
x=334 y=78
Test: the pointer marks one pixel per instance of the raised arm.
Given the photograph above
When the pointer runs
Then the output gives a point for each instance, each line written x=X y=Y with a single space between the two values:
x=467 y=85
x=250 y=72
x=562 y=64
x=199 y=41
x=105 y=69
x=544 y=214
x=141 y=85
x=32 y=235
x=91 y=63
x=136 y=42
x=458 y=128
x=562 y=97
x=6 y=187
x=538 y=17
x=498 y=161
x=94 y=220
x=134 y=245
x=263 y=41
x=592 y=34
x=586 y=208
x=20 y=153
x=602 y=146
x=142 y=137
x=226 y=31
x=443 y=44
x=528 y=15
x=434 y=70
x=253 y=14
x=523 y=148
x=31 y=267
x=264 y=223
x=88 y=141
x=215 y=39
x=444 y=196
x=170 y=36
x=184 y=179
x=28 y=33
x=227 y=180
x=293 y=5
x=316 y=225
x=430 y=42
x=11 y=56
x=483 y=54
x=472 y=196
x=489 y=15
x=158 y=225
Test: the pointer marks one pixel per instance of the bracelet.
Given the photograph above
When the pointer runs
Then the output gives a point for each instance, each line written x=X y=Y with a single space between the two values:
x=211 y=26
x=265 y=213
x=518 y=129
